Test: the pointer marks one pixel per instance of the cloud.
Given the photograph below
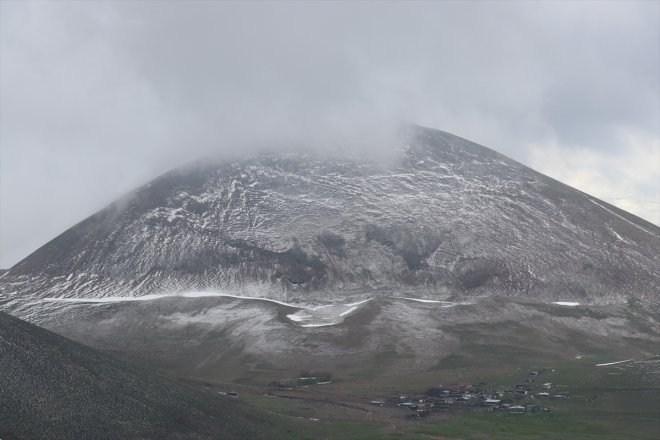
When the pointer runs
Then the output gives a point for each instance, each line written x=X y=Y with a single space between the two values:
x=99 y=97
x=629 y=179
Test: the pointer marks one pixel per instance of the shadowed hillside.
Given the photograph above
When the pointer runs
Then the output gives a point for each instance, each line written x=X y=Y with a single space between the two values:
x=54 y=388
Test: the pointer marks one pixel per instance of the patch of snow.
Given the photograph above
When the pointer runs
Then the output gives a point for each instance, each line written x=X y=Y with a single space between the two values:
x=622 y=218
x=566 y=303
x=325 y=315
x=348 y=311
x=320 y=325
x=445 y=304
x=614 y=363
x=616 y=235
x=424 y=300
x=359 y=302
x=297 y=318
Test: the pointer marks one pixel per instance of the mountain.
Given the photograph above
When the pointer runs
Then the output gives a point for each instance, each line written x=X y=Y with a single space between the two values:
x=438 y=217
x=54 y=388
x=434 y=260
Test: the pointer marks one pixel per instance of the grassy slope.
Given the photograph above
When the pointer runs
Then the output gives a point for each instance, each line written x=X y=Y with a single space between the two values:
x=610 y=402
x=602 y=406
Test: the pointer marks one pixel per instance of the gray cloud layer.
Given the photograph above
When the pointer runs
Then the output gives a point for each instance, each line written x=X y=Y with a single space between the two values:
x=98 y=97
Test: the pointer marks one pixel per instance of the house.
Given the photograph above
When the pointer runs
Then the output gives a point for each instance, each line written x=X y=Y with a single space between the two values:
x=543 y=395
x=559 y=397
x=517 y=409
x=533 y=373
x=492 y=402
x=232 y=394
x=423 y=410
x=547 y=385
x=377 y=403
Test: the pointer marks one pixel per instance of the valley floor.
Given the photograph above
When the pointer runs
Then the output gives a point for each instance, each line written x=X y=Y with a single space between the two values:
x=327 y=382
x=606 y=402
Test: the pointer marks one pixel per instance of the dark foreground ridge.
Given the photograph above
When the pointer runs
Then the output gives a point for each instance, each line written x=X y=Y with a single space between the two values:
x=54 y=388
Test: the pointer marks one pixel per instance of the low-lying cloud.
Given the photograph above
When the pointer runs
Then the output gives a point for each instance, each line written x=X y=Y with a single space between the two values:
x=99 y=97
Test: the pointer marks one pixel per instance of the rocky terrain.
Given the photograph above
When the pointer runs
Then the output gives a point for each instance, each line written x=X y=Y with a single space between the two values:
x=238 y=339
x=437 y=217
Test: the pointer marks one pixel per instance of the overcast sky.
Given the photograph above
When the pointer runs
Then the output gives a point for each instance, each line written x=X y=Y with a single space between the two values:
x=97 y=98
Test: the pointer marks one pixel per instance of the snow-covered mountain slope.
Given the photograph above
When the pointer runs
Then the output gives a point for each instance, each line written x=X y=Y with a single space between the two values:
x=440 y=218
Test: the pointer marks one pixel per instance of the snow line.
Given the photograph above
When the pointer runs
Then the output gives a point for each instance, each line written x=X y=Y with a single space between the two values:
x=319 y=325
x=425 y=300
x=622 y=218
x=357 y=303
x=348 y=311
x=445 y=304
x=112 y=299
x=614 y=363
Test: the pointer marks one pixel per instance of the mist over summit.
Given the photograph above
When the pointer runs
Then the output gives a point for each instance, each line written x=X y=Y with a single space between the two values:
x=98 y=99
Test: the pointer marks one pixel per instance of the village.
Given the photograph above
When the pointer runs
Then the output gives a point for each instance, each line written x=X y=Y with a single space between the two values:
x=527 y=396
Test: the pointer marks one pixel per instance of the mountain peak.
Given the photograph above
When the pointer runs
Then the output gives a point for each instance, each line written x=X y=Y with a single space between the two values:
x=443 y=218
